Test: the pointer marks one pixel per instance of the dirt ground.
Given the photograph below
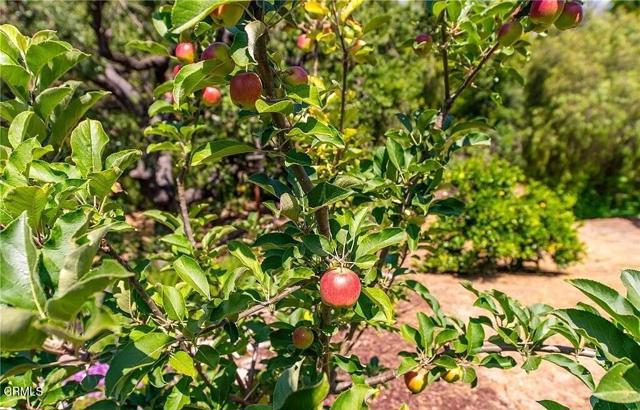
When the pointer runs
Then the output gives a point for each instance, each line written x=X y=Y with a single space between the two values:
x=611 y=245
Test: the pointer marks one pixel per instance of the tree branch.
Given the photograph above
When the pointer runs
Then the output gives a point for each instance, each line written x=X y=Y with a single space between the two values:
x=266 y=75
x=102 y=35
x=182 y=201
x=487 y=348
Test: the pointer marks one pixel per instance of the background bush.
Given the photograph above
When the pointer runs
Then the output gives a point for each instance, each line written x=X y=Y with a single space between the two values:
x=509 y=219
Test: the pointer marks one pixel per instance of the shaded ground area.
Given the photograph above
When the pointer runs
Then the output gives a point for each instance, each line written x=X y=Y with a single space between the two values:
x=611 y=245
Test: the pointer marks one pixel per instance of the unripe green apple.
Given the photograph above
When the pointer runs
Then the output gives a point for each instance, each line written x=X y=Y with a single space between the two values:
x=509 y=33
x=302 y=338
x=296 y=75
x=304 y=42
x=570 y=17
x=416 y=381
x=453 y=375
x=246 y=89
x=340 y=288
x=186 y=52
x=545 y=12
x=230 y=14
x=423 y=43
x=211 y=96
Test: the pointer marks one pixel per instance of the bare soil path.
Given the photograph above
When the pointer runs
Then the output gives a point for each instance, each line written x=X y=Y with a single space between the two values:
x=611 y=245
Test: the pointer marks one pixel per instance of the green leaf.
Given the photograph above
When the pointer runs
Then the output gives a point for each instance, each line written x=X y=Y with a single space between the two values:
x=122 y=159
x=29 y=199
x=148 y=46
x=65 y=305
x=19 y=280
x=308 y=397
x=58 y=66
x=100 y=183
x=325 y=194
x=475 y=336
x=572 y=367
x=179 y=397
x=246 y=257
x=611 y=302
x=71 y=115
x=286 y=385
x=212 y=152
x=396 y=153
x=24 y=126
x=284 y=106
x=183 y=364
x=318 y=130
x=88 y=140
x=552 y=405
x=17 y=79
x=631 y=280
x=447 y=207
x=381 y=299
x=198 y=75
x=173 y=303
x=189 y=271
x=39 y=55
x=18 y=330
x=78 y=262
x=621 y=384
x=187 y=13
x=426 y=295
x=137 y=354
x=352 y=399
x=49 y=99
x=254 y=30
x=371 y=244
x=611 y=339
x=376 y=22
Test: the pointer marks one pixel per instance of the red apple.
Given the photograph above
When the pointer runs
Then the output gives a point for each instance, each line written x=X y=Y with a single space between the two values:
x=176 y=70
x=545 y=12
x=305 y=43
x=211 y=96
x=220 y=53
x=340 y=288
x=415 y=381
x=246 y=88
x=302 y=338
x=570 y=17
x=509 y=33
x=296 y=75
x=186 y=52
x=230 y=14
x=423 y=43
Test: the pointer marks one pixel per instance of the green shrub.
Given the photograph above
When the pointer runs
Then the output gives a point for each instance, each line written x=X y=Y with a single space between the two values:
x=508 y=220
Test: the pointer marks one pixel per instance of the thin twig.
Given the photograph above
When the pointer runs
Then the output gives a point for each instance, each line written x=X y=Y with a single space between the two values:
x=488 y=348
x=182 y=202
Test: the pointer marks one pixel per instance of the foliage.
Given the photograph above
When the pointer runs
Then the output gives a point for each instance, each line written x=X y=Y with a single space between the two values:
x=577 y=126
x=173 y=324
x=508 y=220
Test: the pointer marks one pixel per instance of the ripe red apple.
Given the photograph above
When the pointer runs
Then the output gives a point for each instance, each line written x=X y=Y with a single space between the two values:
x=211 y=96
x=423 y=43
x=176 y=70
x=230 y=14
x=340 y=288
x=570 y=17
x=304 y=42
x=186 y=52
x=296 y=75
x=509 y=33
x=246 y=88
x=302 y=338
x=545 y=12
x=416 y=381
x=453 y=375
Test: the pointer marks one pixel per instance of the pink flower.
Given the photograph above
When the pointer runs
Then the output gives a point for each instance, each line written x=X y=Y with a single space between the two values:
x=77 y=377
x=98 y=369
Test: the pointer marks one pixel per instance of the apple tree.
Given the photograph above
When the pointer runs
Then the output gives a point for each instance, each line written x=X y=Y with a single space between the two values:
x=268 y=320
